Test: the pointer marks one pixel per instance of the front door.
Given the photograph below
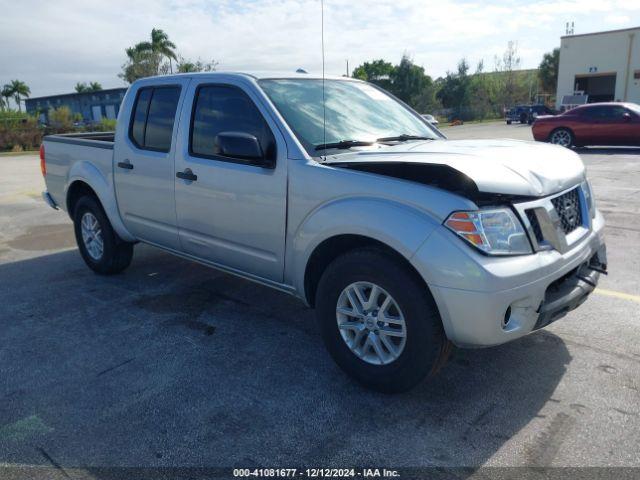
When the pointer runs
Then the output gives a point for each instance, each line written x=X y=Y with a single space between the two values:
x=231 y=211
x=144 y=170
x=609 y=125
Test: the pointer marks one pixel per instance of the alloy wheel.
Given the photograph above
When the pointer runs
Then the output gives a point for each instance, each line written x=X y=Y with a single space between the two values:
x=561 y=137
x=371 y=323
x=92 y=235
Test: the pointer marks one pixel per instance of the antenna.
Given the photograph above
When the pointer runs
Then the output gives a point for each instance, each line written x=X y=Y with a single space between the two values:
x=569 y=28
x=324 y=107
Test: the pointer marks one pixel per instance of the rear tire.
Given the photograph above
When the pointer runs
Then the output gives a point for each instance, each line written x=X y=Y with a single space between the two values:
x=563 y=137
x=393 y=364
x=508 y=122
x=101 y=248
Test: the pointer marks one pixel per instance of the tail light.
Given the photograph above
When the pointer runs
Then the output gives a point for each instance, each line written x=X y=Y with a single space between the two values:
x=43 y=163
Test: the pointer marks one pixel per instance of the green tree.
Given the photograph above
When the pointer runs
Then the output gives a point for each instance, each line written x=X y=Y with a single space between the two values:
x=7 y=93
x=188 y=66
x=455 y=89
x=18 y=90
x=145 y=59
x=408 y=80
x=160 y=45
x=377 y=72
x=140 y=63
x=81 y=87
x=548 y=70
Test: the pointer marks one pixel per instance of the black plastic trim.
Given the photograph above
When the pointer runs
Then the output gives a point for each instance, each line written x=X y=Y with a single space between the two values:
x=567 y=294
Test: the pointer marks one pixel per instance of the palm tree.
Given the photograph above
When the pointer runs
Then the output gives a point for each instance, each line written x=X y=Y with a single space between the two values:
x=95 y=87
x=7 y=93
x=81 y=87
x=19 y=89
x=161 y=44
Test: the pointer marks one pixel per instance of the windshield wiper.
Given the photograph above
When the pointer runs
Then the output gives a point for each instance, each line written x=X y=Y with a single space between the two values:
x=403 y=138
x=343 y=144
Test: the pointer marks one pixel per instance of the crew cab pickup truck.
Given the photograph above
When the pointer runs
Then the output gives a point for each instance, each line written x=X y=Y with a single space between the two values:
x=336 y=192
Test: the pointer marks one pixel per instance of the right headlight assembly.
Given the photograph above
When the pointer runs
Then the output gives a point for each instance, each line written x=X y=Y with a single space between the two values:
x=493 y=231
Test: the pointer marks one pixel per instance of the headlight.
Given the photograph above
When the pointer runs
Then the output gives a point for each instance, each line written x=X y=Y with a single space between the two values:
x=495 y=232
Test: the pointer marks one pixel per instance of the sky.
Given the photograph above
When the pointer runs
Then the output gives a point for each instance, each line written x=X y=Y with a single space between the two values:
x=52 y=45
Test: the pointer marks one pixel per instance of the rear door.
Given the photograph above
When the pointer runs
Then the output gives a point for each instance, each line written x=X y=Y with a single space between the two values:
x=234 y=213
x=144 y=164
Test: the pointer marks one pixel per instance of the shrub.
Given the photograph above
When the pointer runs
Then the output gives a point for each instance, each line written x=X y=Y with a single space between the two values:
x=61 y=119
x=19 y=132
x=105 y=125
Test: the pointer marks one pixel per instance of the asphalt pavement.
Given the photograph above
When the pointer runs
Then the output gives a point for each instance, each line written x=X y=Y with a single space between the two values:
x=171 y=364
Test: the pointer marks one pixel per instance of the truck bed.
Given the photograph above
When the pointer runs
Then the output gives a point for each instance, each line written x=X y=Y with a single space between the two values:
x=74 y=155
x=91 y=139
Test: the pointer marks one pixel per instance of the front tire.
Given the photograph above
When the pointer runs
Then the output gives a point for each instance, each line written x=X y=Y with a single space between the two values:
x=379 y=321
x=101 y=248
x=563 y=137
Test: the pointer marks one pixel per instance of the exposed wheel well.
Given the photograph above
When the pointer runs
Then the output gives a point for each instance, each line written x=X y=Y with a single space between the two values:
x=332 y=248
x=77 y=190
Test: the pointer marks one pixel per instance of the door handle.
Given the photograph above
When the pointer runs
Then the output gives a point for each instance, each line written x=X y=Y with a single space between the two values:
x=126 y=165
x=187 y=175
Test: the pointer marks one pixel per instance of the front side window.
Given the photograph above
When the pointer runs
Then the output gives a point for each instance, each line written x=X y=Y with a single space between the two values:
x=352 y=110
x=221 y=108
x=153 y=117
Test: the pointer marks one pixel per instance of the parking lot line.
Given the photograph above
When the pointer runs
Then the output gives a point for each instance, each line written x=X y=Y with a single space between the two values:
x=613 y=293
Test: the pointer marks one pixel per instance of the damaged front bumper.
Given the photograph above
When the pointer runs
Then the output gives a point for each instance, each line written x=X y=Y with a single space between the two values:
x=485 y=301
x=570 y=291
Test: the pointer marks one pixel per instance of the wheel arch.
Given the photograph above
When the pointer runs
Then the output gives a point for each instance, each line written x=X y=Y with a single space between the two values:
x=86 y=179
x=78 y=189
x=352 y=222
x=331 y=248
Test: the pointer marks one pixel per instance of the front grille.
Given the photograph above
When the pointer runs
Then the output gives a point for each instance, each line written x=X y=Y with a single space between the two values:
x=535 y=225
x=569 y=211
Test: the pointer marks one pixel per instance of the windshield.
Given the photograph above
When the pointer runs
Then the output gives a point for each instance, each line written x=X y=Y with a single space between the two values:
x=356 y=113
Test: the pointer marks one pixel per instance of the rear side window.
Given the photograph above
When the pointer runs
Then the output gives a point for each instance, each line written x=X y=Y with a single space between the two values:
x=605 y=112
x=153 y=117
x=226 y=109
x=140 y=116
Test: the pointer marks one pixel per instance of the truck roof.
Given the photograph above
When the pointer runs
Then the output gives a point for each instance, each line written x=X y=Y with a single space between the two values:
x=257 y=75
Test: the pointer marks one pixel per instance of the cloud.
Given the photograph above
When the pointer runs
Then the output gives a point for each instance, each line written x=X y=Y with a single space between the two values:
x=53 y=45
x=617 y=19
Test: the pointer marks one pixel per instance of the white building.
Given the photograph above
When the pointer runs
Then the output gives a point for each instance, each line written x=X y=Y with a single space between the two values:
x=603 y=65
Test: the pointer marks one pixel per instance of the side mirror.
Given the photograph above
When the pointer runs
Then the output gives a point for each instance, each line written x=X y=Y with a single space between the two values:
x=626 y=117
x=243 y=146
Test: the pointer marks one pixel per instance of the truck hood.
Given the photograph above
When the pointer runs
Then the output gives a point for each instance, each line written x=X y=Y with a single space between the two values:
x=508 y=167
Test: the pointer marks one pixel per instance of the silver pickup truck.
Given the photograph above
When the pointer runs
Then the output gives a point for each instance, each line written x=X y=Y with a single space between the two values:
x=336 y=192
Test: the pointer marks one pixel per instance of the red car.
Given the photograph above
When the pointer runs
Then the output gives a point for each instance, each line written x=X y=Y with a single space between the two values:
x=592 y=124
